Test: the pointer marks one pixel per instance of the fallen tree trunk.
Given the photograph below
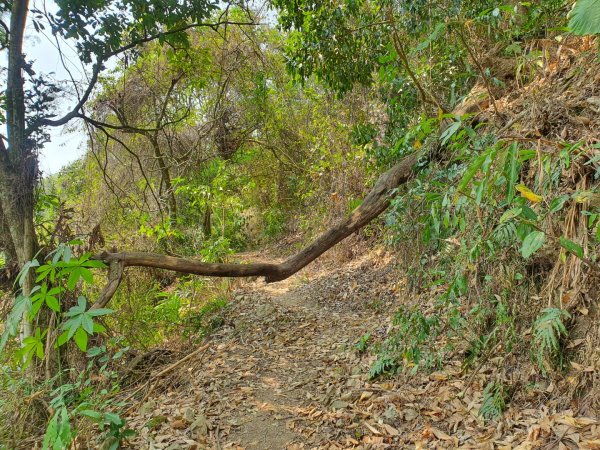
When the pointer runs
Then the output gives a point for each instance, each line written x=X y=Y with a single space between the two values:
x=375 y=203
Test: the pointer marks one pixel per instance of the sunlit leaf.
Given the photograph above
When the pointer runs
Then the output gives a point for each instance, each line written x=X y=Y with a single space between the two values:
x=528 y=193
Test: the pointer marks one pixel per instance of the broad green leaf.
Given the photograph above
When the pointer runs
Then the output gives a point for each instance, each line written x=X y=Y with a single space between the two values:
x=113 y=418
x=571 y=246
x=52 y=303
x=35 y=308
x=585 y=17
x=529 y=213
x=91 y=414
x=86 y=274
x=39 y=350
x=81 y=339
x=557 y=203
x=95 y=264
x=532 y=243
x=73 y=278
x=510 y=214
x=473 y=168
x=72 y=325
x=43 y=272
x=98 y=328
x=95 y=351
x=62 y=339
x=87 y=323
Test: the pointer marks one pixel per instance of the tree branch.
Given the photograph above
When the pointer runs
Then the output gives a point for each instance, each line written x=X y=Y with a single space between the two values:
x=99 y=66
x=376 y=202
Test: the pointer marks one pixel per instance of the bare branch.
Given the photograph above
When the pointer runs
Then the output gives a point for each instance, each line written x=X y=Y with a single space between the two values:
x=99 y=65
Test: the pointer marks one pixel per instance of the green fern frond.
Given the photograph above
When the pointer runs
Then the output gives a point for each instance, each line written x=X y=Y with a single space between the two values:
x=494 y=401
x=548 y=329
x=505 y=234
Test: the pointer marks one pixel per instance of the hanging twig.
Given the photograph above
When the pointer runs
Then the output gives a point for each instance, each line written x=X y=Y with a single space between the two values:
x=480 y=68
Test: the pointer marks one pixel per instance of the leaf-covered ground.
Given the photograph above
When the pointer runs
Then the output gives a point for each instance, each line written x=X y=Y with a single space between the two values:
x=284 y=373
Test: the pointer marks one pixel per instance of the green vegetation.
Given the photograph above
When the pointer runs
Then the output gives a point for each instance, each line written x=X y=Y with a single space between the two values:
x=213 y=133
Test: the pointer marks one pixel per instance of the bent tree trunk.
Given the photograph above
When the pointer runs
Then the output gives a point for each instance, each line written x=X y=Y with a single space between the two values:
x=375 y=203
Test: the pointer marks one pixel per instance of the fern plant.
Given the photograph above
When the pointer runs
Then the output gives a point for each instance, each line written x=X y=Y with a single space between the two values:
x=548 y=330
x=494 y=400
x=412 y=343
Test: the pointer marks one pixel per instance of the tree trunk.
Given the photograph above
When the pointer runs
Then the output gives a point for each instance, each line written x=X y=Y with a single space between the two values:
x=18 y=164
x=6 y=243
x=165 y=179
x=207 y=222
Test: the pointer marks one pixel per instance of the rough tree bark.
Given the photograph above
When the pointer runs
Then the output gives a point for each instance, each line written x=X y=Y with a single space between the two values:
x=18 y=164
x=375 y=203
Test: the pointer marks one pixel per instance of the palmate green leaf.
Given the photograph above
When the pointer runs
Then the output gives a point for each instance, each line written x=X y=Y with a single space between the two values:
x=87 y=323
x=72 y=325
x=585 y=17
x=63 y=338
x=86 y=274
x=100 y=312
x=43 y=272
x=77 y=309
x=35 y=308
x=52 y=303
x=74 y=275
x=25 y=270
x=95 y=264
x=532 y=243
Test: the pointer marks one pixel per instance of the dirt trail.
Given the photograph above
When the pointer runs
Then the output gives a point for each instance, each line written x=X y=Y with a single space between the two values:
x=284 y=373
x=276 y=370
